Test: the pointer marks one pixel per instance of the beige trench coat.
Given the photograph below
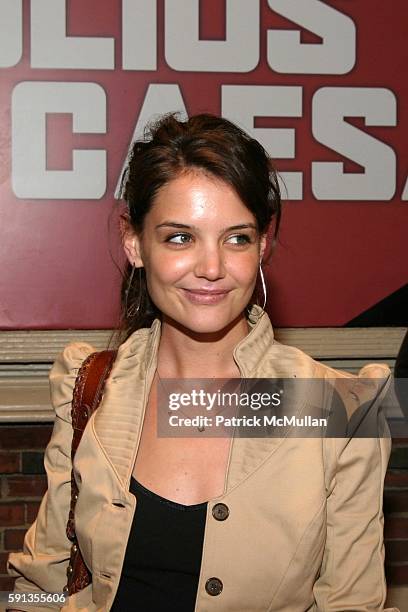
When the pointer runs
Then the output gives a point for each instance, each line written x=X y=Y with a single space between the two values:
x=305 y=528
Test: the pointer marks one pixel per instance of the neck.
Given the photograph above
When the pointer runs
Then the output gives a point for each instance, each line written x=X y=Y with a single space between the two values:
x=186 y=354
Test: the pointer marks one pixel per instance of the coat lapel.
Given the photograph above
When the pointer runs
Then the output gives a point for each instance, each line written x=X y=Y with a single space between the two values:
x=259 y=355
x=118 y=420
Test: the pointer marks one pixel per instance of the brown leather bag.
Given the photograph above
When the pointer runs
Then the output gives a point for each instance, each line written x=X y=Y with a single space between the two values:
x=88 y=391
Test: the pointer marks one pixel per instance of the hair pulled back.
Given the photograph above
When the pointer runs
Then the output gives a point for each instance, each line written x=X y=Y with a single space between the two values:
x=171 y=147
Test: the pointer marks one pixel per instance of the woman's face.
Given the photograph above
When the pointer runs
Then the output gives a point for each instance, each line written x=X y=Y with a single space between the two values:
x=201 y=251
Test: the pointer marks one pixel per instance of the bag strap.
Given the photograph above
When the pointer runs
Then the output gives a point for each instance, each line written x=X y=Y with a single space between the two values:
x=88 y=391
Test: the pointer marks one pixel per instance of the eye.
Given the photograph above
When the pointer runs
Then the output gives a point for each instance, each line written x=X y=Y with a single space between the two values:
x=239 y=239
x=180 y=238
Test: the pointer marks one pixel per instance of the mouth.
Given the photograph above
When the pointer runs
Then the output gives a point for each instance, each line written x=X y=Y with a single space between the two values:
x=202 y=296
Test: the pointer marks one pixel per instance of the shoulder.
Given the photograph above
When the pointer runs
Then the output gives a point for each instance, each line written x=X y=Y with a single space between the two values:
x=358 y=431
x=356 y=397
x=302 y=364
x=63 y=374
x=358 y=392
x=282 y=360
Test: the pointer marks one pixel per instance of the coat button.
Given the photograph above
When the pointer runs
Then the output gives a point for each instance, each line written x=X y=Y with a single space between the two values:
x=213 y=586
x=74 y=548
x=70 y=569
x=220 y=512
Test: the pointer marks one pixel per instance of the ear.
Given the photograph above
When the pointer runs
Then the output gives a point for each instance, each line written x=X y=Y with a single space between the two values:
x=263 y=243
x=131 y=242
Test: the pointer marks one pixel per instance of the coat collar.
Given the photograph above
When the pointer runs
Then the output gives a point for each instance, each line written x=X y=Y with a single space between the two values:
x=119 y=418
x=248 y=353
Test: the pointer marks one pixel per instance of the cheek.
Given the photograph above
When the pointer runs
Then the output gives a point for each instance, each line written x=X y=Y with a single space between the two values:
x=244 y=269
x=169 y=267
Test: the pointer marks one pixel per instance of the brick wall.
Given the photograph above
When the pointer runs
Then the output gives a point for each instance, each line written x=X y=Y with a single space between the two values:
x=396 y=515
x=23 y=483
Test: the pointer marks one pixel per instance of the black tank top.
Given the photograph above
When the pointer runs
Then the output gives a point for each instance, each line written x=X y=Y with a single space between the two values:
x=163 y=555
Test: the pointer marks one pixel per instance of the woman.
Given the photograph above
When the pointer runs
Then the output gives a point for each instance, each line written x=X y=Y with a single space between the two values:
x=231 y=524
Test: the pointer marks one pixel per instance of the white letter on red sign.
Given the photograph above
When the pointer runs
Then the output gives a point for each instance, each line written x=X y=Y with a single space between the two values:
x=337 y=53
x=405 y=192
x=31 y=102
x=52 y=48
x=139 y=34
x=378 y=107
x=242 y=103
x=185 y=51
x=11 y=32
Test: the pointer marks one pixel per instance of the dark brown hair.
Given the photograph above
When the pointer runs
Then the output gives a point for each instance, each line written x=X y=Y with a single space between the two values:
x=170 y=147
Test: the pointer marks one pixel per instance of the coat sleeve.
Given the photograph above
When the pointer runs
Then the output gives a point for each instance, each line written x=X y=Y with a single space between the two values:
x=42 y=565
x=352 y=572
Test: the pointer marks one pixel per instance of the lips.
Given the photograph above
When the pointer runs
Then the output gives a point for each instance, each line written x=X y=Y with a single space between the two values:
x=204 y=296
x=207 y=291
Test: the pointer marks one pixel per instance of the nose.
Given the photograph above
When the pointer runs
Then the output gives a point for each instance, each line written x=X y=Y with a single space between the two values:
x=209 y=263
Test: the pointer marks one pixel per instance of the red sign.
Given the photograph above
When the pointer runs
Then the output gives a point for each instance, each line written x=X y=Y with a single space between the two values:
x=321 y=84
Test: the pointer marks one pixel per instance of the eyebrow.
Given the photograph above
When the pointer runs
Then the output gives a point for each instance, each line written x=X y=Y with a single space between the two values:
x=194 y=227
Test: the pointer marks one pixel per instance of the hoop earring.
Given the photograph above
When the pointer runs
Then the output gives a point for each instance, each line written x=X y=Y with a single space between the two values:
x=263 y=284
x=132 y=311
